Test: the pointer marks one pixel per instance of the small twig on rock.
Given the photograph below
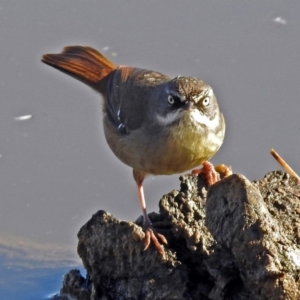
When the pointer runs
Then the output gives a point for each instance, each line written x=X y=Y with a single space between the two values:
x=284 y=164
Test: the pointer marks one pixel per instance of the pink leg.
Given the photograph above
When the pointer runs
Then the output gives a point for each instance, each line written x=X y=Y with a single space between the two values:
x=150 y=233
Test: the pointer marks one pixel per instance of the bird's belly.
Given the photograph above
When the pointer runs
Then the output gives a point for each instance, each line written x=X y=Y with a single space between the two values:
x=161 y=155
x=179 y=156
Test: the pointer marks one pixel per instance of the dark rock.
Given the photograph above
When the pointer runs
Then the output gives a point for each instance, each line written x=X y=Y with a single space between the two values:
x=112 y=254
x=241 y=223
x=74 y=287
x=238 y=240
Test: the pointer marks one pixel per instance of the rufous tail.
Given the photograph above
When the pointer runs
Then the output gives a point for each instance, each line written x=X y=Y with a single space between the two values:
x=83 y=63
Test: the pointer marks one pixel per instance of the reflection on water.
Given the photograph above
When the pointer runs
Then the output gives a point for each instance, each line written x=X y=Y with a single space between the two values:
x=29 y=270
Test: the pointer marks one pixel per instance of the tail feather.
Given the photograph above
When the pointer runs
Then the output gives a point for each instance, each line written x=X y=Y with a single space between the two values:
x=83 y=63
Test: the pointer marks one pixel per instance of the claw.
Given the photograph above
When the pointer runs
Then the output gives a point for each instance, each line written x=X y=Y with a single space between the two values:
x=152 y=236
x=211 y=174
x=147 y=239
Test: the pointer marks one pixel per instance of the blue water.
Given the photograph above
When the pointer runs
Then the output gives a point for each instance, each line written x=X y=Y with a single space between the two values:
x=32 y=282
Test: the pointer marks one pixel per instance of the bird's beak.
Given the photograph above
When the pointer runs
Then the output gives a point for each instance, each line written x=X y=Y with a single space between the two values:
x=188 y=105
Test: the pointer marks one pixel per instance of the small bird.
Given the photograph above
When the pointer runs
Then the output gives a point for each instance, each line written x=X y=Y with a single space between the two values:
x=153 y=123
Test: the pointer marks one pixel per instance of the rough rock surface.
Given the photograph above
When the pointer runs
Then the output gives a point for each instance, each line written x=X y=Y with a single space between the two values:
x=238 y=240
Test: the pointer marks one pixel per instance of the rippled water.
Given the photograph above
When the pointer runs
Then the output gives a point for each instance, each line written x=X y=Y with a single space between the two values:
x=30 y=270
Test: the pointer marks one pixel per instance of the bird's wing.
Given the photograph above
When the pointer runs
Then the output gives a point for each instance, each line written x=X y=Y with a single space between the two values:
x=129 y=91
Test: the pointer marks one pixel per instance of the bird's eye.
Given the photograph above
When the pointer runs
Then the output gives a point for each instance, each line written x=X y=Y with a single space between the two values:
x=171 y=100
x=206 y=101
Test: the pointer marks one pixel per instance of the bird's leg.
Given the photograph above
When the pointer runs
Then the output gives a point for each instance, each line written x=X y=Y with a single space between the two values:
x=211 y=173
x=150 y=232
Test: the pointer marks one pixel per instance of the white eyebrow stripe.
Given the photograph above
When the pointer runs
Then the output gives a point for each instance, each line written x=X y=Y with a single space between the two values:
x=209 y=92
x=196 y=98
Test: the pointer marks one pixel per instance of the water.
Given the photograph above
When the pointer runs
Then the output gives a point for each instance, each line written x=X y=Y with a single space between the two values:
x=56 y=169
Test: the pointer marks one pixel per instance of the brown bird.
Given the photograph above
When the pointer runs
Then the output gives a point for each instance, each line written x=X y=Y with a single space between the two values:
x=153 y=123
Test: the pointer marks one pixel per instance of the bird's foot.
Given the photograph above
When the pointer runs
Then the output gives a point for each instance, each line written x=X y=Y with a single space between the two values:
x=213 y=174
x=151 y=235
